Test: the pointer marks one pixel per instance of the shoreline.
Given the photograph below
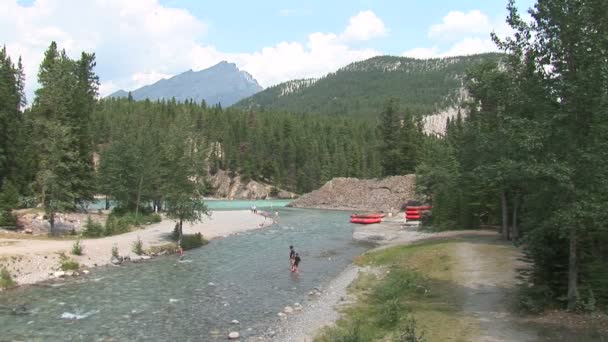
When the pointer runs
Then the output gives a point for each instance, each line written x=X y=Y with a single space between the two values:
x=32 y=261
x=323 y=310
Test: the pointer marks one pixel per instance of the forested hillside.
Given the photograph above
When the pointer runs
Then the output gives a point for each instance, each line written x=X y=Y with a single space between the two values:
x=359 y=89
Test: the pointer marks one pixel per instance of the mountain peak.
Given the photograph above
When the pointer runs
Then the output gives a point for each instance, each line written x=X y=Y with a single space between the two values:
x=222 y=83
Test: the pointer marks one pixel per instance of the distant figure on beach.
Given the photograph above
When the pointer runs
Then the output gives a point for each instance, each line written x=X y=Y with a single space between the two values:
x=292 y=255
x=255 y=209
x=296 y=263
x=276 y=217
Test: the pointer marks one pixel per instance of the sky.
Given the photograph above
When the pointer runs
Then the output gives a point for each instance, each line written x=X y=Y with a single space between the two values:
x=139 y=42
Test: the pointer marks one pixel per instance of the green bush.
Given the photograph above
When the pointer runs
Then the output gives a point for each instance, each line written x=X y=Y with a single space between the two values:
x=349 y=333
x=7 y=219
x=120 y=222
x=389 y=313
x=115 y=253
x=408 y=332
x=77 y=248
x=92 y=228
x=190 y=241
x=6 y=280
x=274 y=192
x=67 y=264
x=138 y=247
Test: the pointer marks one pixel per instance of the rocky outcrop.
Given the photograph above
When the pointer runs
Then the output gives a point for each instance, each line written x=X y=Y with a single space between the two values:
x=388 y=194
x=236 y=188
x=35 y=221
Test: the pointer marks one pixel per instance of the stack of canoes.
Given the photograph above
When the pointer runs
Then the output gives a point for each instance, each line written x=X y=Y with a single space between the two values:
x=366 y=218
x=414 y=213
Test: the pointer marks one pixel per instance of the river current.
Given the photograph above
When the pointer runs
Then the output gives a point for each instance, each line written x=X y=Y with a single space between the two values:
x=243 y=277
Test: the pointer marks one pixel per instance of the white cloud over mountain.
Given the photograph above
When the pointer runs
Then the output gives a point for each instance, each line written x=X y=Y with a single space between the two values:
x=461 y=33
x=141 y=41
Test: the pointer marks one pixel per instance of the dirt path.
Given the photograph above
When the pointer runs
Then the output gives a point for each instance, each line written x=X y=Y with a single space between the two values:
x=31 y=261
x=486 y=270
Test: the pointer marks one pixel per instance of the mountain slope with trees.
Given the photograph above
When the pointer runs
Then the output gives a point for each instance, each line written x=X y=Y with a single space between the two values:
x=359 y=89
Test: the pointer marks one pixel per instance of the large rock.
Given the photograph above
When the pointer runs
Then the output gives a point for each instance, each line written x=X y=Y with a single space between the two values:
x=236 y=188
x=388 y=194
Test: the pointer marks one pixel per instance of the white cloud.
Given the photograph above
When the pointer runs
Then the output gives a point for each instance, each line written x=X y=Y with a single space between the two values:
x=460 y=34
x=422 y=53
x=140 y=42
x=364 y=26
x=457 y=24
x=287 y=12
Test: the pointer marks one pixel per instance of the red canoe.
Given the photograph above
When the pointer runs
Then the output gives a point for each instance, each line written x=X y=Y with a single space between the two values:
x=367 y=215
x=366 y=220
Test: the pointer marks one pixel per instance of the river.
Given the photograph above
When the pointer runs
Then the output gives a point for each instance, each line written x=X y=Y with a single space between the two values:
x=243 y=277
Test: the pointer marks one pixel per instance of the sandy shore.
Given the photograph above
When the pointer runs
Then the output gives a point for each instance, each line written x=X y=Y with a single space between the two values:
x=30 y=261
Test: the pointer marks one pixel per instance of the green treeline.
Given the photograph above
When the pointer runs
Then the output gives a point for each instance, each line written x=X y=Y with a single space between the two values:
x=532 y=155
x=294 y=152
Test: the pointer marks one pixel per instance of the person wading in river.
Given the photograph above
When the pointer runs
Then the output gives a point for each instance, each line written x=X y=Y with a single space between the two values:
x=296 y=264
x=292 y=256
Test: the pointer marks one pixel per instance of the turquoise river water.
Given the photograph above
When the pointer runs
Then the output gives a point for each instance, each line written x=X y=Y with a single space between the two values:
x=217 y=204
x=243 y=277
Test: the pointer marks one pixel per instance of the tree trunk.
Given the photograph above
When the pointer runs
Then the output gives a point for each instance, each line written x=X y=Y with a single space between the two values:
x=505 y=215
x=572 y=271
x=181 y=232
x=141 y=180
x=52 y=223
x=514 y=228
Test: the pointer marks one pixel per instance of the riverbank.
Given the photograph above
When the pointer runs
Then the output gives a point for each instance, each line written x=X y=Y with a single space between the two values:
x=458 y=285
x=34 y=260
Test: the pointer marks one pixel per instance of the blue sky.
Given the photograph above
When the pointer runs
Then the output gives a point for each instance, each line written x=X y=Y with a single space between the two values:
x=138 y=42
x=248 y=25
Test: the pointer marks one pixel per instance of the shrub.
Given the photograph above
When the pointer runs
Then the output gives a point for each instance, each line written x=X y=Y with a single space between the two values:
x=274 y=192
x=115 y=252
x=67 y=264
x=350 y=333
x=7 y=219
x=408 y=333
x=190 y=241
x=138 y=247
x=77 y=248
x=155 y=218
x=6 y=280
x=534 y=299
x=390 y=313
x=92 y=228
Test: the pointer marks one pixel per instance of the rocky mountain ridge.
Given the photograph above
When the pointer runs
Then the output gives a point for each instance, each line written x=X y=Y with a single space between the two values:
x=222 y=83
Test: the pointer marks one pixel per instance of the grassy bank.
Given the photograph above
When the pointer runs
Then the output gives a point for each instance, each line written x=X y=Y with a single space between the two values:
x=410 y=297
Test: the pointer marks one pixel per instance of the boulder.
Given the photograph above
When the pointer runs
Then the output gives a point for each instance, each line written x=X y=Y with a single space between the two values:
x=59 y=274
x=234 y=321
x=288 y=309
x=234 y=335
x=116 y=261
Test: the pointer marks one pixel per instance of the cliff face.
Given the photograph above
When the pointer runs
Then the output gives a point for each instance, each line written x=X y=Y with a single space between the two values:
x=235 y=188
x=388 y=194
